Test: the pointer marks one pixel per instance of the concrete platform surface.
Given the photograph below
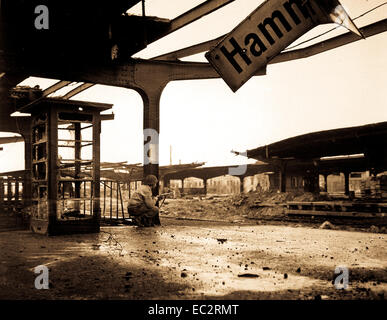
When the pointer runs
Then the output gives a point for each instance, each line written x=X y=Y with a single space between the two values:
x=195 y=260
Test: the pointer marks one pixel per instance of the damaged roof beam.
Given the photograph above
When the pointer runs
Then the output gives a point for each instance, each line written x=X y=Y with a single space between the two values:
x=55 y=87
x=189 y=51
x=332 y=43
x=77 y=90
x=196 y=13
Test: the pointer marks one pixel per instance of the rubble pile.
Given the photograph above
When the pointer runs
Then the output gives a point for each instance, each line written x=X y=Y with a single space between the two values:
x=374 y=187
x=201 y=208
x=253 y=205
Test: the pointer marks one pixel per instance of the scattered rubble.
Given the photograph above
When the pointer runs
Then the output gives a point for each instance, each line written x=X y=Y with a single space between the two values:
x=327 y=225
x=243 y=208
x=248 y=275
x=373 y=229
x=230 y=208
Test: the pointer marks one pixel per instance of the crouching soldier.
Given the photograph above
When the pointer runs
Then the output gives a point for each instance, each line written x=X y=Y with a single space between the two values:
x=142 y=205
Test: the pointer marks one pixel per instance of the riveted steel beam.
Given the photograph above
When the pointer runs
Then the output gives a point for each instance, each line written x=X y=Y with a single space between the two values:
x=196 y=13
x=335 y=42
x=55 y=87
x=77 y=90
x=332 y=43
x=189 y=51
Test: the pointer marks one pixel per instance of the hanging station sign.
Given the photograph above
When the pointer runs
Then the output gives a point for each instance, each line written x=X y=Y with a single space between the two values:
x=273 y=26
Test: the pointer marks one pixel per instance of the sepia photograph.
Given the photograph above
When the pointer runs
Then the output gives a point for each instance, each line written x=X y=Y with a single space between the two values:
x=205 y=152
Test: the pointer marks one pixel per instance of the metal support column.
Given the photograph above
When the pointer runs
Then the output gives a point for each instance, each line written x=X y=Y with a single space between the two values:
x=53 y=166
x=241 y=182
x=77 y=168
x=151 y=94
x=96 y=167
x=27 y=185
x=325 y=182
x=346 y=183
x=282 y=178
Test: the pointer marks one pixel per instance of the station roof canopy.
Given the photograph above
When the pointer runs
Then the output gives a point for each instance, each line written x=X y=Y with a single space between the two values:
x=329 y=143
x=122 y=171
x=212 y=172
x=71 y=104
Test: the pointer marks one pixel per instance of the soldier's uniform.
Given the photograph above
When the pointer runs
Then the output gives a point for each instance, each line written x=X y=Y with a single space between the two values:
x=142 y=205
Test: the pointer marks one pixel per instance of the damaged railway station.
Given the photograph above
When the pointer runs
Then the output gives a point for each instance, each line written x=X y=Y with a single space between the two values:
x=243 y=231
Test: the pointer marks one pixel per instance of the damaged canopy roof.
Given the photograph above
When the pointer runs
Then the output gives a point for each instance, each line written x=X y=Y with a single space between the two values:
x=344 y=141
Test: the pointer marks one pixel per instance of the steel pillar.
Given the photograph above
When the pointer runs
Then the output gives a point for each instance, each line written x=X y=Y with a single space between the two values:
x=151 y=99
x=151 y=94
x=282 y=179
x=282 y=176
x=97 y=167
x=241 y=181
x=326 y=182
x=27 y=186
x=346 y=183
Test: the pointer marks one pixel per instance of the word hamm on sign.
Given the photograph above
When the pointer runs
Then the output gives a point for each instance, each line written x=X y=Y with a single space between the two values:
x=267 y=31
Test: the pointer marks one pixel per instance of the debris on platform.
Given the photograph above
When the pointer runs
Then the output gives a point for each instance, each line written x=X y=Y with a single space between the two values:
x=253 y=205
x=262 y=207
x=374 y=229
x=327 y=225
x=248 y=275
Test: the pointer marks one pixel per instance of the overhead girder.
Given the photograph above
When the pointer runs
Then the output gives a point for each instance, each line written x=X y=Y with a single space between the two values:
x=196 y=13
x=5 y=140
x=189 y=51
x=61 y=84
x=212 y=172
x=133 y=74
x=332 y=43
x=152 y=29
x=55 y=87
x=77 y=90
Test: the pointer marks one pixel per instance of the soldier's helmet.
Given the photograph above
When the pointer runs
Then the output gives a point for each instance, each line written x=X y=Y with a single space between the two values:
x=150 y=180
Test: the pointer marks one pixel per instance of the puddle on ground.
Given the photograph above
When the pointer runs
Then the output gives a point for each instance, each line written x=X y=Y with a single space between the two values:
x=267 y=281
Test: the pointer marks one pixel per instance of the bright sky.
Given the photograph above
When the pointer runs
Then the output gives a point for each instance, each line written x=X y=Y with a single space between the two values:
x=204 y=120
